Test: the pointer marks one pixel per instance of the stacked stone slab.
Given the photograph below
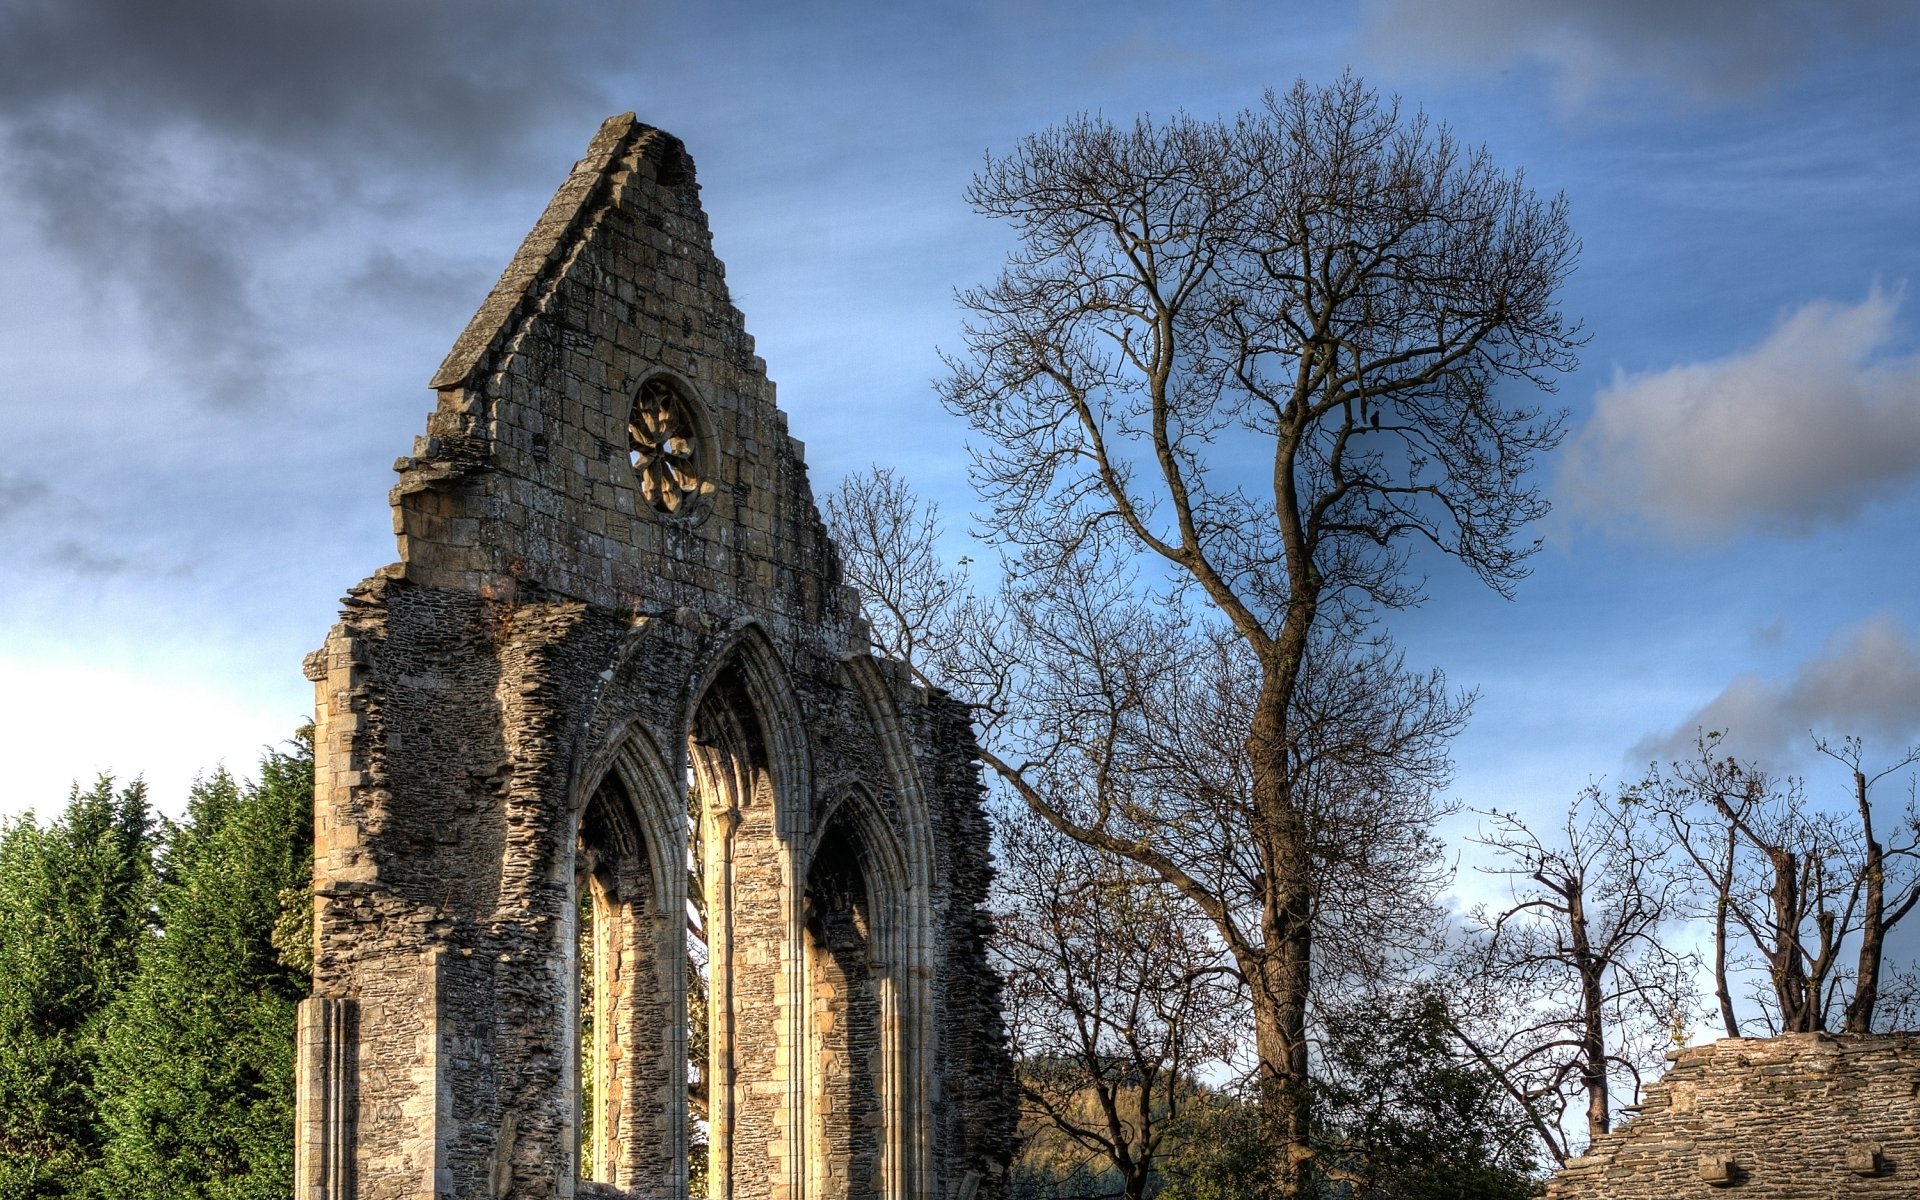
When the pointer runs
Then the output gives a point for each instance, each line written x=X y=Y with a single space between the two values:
x=1800 y=1117
x=616 y=662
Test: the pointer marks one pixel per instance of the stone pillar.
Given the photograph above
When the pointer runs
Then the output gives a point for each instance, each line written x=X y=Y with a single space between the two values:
x=324 y=1106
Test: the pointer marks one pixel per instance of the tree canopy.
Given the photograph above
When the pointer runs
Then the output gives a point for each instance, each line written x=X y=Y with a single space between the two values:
x=1232 y=375
x=153 y=969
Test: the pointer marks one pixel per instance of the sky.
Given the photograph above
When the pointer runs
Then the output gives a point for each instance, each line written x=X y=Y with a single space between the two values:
x=237 y=237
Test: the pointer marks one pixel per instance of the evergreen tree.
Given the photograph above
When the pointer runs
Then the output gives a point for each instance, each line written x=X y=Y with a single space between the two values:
x=197 y=1078
x=74 y=913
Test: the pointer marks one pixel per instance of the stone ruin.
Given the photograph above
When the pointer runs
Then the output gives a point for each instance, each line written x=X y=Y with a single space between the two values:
x=1803 y=1117
x=633 y=865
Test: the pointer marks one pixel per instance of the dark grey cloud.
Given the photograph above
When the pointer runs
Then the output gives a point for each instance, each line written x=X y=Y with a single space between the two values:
x=1700 y=48
x=352 y=85
x=90 y=560
x=1865 y=681
x=20 y=492
x=1799 y=431
x=167 y=149
x=48 y=530
x=413 y=281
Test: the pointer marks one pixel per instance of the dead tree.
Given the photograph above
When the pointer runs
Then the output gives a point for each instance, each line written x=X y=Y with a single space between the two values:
x=1888 y=874
x=1574 y=968
x=1797 y=885
x=1260 y=357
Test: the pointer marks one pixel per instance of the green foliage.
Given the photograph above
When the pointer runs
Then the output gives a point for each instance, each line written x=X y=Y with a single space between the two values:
x=1401 y=1114
x=73 y=913
x=1221 y=1153
x=1212 y=1148
x=196 y=1080
x=1404 y=1115
x=1046 y=1178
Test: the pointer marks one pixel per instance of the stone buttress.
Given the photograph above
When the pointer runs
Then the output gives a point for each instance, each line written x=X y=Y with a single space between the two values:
x=632 y=863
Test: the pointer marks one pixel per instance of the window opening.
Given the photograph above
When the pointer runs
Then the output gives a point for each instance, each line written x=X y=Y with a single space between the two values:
x=845 y=1036
x=663 y=444
x=620 y=1000
x=699 y=976
x=587 y=1050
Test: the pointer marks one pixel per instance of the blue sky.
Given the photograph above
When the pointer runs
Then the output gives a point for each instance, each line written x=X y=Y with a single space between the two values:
x=237 y=237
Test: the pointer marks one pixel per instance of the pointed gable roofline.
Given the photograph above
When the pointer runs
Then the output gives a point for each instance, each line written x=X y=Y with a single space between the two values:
x=541 y=261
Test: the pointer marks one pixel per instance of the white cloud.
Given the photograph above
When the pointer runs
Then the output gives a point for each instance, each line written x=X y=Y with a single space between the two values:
x=1703 y=48
x=167 y=720
x=1802 y=430
x=1864 y=681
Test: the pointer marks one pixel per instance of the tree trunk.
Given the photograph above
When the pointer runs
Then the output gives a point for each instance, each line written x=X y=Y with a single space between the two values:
x=1722 y=902
x=1799 y=1008
x=1873 y=922
x=1284 y=978
x=1593 y=1045
x=1280 y=1041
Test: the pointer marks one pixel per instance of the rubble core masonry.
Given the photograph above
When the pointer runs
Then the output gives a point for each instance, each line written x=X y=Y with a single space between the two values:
x=633 y=864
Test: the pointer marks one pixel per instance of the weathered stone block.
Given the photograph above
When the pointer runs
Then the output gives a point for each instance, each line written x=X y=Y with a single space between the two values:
x=1800 y=1117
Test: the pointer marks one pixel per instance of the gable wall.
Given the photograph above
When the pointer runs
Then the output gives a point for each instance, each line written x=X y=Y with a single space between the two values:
x=544 y=622
x=524 y=472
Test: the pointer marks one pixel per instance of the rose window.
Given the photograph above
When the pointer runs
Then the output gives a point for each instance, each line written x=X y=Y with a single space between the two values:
x=663 y=444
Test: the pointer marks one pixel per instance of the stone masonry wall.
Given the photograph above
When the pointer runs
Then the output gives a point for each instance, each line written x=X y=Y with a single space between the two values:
x=559 y=617
x=1801 y=1117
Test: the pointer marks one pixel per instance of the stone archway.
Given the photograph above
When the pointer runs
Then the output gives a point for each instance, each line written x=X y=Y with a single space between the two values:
x=630 y=981
x=861 y=961
x=616 y=659
x=747 y=773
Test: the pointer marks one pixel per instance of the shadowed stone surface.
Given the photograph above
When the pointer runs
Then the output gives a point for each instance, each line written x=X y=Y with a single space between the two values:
x=614 y=665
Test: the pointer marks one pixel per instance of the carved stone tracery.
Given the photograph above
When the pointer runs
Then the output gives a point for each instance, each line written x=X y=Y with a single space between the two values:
x=663 y=444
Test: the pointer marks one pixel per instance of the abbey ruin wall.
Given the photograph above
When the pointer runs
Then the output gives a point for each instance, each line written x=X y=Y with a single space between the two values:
x=631 y=859
x=1800 y=1117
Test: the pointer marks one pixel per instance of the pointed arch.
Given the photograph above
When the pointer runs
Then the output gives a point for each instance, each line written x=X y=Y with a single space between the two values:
x=915 y=827
x=743 y=665
x=751 y=769
x=910 y=840
x=629 y=974
x=632 y=755
x=856 y=807
x=863 y=947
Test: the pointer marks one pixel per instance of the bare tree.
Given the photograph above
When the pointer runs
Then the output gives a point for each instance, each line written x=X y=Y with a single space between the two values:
x=1128 y=713
x=1888 y=876
x=1579 y=984
x=1795 y=884
x=911 y=598
x=1262 y=356
x=1370 y=762
x=1768 y=868
x=920 y=611
x=1117 y=994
